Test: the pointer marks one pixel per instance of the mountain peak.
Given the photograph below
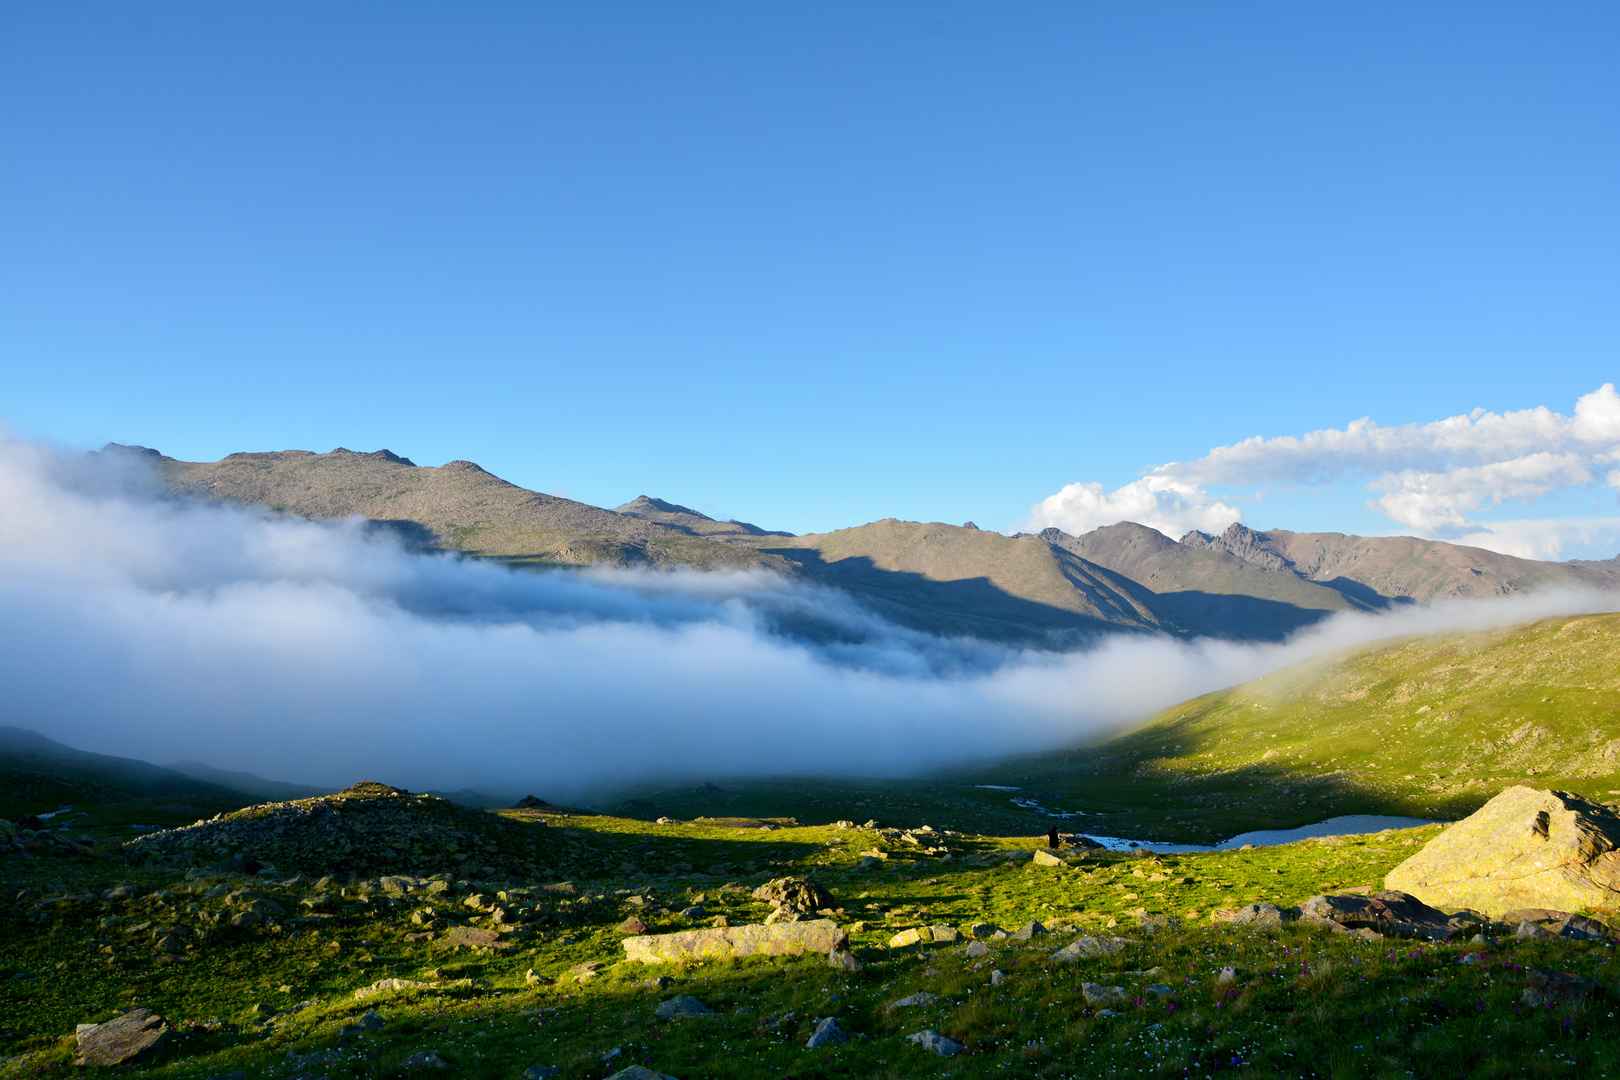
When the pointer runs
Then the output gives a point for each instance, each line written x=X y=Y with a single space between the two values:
x=380 y=455
x=646 y=504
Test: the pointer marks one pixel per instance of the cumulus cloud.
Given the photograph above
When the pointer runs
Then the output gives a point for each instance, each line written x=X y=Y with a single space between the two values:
x=1430 y=501
x=166 y=629
x=1431 y=477
x=1545 y=538
x=1160 y=502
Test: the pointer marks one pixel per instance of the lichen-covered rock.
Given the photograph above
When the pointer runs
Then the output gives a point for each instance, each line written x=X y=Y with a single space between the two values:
x=820 y=936
x=125 y=1038
x=1525 y=848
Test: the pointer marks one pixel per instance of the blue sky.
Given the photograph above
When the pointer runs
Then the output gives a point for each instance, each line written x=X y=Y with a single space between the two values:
x=816 y=267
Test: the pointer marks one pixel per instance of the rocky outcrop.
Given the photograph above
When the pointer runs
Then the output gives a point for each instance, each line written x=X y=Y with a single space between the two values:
x=369 y=828
x=1526 y=848
x=793 y=897
x=726 y=942
x=136 y=1034
x=1386 y=914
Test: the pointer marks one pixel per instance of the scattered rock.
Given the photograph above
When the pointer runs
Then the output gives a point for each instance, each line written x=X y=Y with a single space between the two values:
x=541 y=1072
x=936 y=1043
x=827 y=1033
x=425 y=1061
x=1099 y=996
x=1028 y=930
x=1089 y=947
x=1043 y=857
x=632 y=925
x=778 y=939
x=1524 y=848
x=638 y=1072
x=1558 y=924
x=975 y=950
x=681 y=1007
x=997 y=977
x=843 y=960
x=137 y=1033
x=1254 y=916
x=1388 y=913
x=1555 y=987
x=911 y=1001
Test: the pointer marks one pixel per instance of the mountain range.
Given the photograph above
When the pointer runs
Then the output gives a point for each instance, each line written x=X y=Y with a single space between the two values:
x=1047 y=589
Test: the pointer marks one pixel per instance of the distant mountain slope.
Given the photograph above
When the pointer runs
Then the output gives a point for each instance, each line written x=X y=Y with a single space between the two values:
x=1200 y=590
x=1400 y=567
x=965 y=580
x=1428 y=726
x=458 y=505
x=688 y=520
x=38 y=774
x=1051 y=590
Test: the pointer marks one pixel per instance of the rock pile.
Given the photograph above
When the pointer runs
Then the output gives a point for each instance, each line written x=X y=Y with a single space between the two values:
x=370 y=828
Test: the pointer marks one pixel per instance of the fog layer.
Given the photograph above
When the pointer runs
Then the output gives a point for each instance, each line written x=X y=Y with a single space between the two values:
x=142 y=625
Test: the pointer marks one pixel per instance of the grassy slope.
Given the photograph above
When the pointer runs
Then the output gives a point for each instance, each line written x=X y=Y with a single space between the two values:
x=271 y=1001
x=1429 y=726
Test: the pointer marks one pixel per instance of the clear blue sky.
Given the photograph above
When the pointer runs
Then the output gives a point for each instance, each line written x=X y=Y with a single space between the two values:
x=806 y=267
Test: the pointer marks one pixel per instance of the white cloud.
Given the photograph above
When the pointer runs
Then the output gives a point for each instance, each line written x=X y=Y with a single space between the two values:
x=1431 y=501
x=1597 y=416
x=1431 y=477
x=1160 y=502
x=166 y=629
x=1547 y=538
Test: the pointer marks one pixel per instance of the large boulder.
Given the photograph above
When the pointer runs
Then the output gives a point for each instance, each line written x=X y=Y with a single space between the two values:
x=125 y=1038
x=722 y=942
x=1526 y=848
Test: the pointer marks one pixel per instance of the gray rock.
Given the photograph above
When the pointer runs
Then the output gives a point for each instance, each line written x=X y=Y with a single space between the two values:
x=1089 y=947
x=541 y=1072
x=1099 y=996
x=843 y=960
x=137 y=1033
x=976 y=949
x=1028 y=930
x=1254 y=916
x=997 y=977
x=936 y=1043
x=721 y=942
x=1395 y=914
x=682 y=1006
x=638 y=1072
x=922 y=997
x=827 y=1033
x=425 y=1061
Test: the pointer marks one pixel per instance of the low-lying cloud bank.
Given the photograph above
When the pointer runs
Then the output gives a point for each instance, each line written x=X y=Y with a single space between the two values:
x=143 y=625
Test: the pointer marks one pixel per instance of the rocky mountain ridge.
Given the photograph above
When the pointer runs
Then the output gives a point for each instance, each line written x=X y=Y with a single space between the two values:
x=1050 y=590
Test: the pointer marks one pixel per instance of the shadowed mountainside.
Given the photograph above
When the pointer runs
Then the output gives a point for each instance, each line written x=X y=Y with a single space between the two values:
x=1050 y=590
x=1367 y=569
